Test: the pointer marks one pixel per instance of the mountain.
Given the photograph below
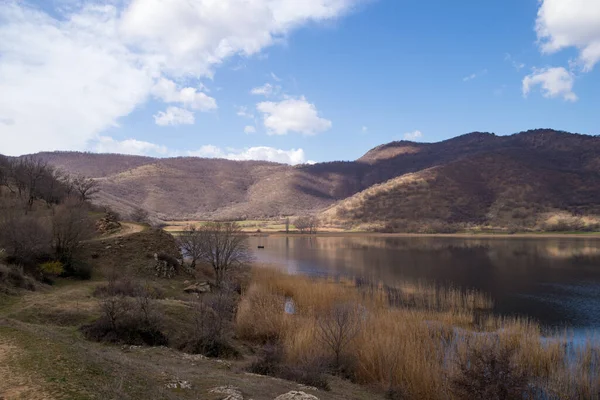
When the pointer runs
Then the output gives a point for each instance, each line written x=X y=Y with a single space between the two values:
x=477 y=178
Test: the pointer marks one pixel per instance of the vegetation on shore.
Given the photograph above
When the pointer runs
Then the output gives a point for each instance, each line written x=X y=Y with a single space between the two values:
x=415 y=342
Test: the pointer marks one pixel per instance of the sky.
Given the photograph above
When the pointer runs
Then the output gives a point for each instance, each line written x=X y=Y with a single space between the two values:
x=292 y=81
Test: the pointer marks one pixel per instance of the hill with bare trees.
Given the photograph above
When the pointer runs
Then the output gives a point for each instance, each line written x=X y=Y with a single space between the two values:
x=477 y=178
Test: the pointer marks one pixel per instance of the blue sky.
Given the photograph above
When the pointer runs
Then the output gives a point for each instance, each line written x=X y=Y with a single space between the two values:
x=176 y=78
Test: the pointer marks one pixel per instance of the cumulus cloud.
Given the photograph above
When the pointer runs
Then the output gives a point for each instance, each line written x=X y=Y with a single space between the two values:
x=553 y=82
x=174 y=116
x=266 y=90
x=293 y=157
x=167 y=91
x=63 y=81
x=106 y=144
x=78 y=69
x=562 y=24
x=292 y=115
x=249 y=129
x=414 y=135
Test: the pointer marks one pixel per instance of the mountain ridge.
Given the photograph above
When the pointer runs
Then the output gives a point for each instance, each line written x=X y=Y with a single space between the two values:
x=197 y=188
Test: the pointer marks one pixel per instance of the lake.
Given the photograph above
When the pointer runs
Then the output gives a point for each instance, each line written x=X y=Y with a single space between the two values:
x=554 y=281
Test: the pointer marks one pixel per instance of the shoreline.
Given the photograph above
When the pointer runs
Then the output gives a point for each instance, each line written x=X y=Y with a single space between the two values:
x=582 y=235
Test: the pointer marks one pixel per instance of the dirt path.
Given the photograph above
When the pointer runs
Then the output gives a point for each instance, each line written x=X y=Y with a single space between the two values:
x=127 y=228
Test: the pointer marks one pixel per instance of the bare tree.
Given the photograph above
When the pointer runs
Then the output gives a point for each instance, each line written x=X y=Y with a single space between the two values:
x=71 y=225
x=224 y=246
x=24 y=238
x=190 y=242
x=139 y=215
x=337 y=328
x=85 y=187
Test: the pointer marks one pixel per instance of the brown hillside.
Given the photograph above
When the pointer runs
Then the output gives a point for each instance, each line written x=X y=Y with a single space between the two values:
x=474 y=178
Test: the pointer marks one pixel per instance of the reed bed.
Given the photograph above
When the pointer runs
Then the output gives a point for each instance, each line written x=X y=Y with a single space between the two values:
x=413 y=337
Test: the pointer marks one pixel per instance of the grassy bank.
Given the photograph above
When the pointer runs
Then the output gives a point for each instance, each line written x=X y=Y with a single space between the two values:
x=414 y=341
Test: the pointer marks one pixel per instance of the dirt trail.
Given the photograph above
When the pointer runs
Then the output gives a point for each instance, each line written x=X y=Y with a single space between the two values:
x=127 y=228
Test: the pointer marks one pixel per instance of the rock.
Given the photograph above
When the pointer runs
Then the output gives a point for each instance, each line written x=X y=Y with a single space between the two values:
x=200 y=287
x=294 y=395
x=179 y=385
x=230 y=392
x=108 y=247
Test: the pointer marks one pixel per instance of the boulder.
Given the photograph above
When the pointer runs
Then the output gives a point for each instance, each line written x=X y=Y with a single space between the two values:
x=228 y=392
x=294 y=395
x=199 y=287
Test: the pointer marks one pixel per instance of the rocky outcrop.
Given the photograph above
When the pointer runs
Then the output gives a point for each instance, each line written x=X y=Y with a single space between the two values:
x=199 y=288
x=228 y=392
x=109 y=223
x=295 y=395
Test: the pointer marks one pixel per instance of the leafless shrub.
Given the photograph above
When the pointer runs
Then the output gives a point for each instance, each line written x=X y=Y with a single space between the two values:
x=489 y=372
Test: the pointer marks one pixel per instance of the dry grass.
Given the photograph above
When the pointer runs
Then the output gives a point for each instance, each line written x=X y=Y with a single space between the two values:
x=412 y=338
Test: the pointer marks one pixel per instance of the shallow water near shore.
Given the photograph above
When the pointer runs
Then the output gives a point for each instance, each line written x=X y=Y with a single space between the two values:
x=554 y=281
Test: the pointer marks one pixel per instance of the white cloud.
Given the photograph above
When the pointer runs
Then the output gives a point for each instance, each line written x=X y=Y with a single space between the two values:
x=516 y=64
x=266 y=90
x=364 y=129
x=78 y=69
x=243 y=112
x=249 y=129
x=570 y=23
x=414 y=135
x=293 y=157
x=554 y=82
x=63 y=82
x=174 y=116
x=474 y=75
x=292 y=115
x=106 y=144
x=167 y=91
x=275 y=77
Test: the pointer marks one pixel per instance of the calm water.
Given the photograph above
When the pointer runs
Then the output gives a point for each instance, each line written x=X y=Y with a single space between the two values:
x=555 y=281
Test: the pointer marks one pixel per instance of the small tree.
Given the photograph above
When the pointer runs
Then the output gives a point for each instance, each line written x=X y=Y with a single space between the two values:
x=70 y=226
x=224 y=246
x=287 y=225
x=85 y=187
x=190 y=242
x=139 y=215
x=337 y=328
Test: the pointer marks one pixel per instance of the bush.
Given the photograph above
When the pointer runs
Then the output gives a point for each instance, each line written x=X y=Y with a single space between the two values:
x=14 y=277
x=489 y=373
x=123 y=322
x=129 y=288
x=271 y=363
x=216 y=347
x=50 y=269
x=77 y=269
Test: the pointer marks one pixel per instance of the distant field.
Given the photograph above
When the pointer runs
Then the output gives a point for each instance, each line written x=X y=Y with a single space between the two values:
x=247 y=225
x=264 y=226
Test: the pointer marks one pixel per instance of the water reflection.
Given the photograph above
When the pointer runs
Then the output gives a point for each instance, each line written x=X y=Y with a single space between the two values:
x=555 y=281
